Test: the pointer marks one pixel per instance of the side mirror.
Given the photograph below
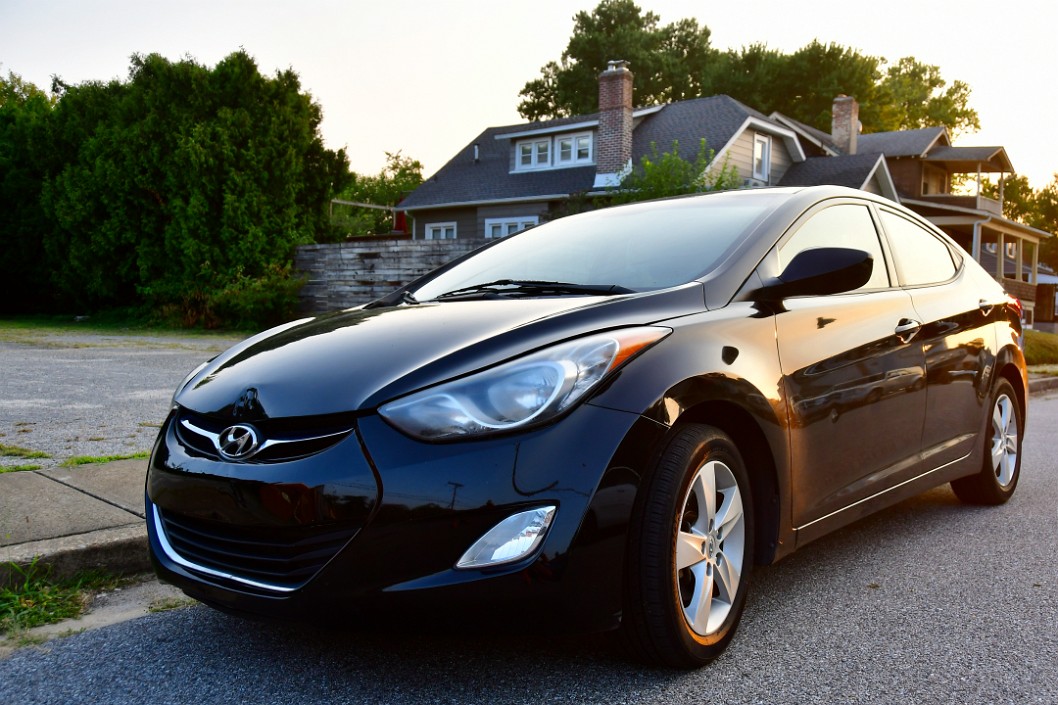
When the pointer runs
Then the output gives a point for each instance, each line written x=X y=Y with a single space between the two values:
x=820 y=271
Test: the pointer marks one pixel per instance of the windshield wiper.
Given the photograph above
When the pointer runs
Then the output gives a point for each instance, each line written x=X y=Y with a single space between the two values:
x=400 y=296
x=515 y=287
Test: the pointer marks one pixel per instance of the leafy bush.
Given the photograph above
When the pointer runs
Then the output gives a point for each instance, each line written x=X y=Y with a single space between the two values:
x=183 y=190
x=255 y=302
x=242 y=301
x=660 y=175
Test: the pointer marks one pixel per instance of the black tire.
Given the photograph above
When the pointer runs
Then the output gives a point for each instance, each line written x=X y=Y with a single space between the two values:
x=688 y=572
x=1001 y=466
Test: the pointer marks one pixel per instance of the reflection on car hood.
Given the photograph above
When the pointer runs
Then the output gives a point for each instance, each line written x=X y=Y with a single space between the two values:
x=355 y=360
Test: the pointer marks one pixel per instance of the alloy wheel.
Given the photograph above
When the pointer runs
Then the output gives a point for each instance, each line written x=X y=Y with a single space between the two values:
x=1004 y=440
x=710 y=547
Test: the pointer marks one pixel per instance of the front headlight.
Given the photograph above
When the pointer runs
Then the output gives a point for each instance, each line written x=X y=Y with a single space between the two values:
x=523 y=392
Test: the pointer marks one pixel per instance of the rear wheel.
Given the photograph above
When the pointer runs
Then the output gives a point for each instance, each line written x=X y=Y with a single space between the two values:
x=691 y=551
x=1001 y=468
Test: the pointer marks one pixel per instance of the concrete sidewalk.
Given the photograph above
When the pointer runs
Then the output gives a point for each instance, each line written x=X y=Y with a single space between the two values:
x=74 y=519
x=92 y=516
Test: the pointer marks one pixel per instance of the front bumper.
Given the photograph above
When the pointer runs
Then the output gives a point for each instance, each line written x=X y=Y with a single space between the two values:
x=375 y=524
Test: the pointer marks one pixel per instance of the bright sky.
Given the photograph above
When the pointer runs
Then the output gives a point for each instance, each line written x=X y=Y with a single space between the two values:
x=426 y=77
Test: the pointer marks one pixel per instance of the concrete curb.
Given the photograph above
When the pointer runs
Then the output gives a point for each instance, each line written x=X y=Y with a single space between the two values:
x=1042 y=384
x=119 y=551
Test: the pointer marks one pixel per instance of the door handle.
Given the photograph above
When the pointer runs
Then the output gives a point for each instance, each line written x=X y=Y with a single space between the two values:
x=907 y=329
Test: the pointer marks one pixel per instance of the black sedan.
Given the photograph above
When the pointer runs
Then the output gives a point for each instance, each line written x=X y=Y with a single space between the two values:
x=604 y=421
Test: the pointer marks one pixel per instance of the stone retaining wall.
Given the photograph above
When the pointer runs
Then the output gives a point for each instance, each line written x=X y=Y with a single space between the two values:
x=347 y=274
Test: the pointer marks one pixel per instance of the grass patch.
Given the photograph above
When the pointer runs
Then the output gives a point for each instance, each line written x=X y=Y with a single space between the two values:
x=1049 y=370
x=20 y=452
x=18 y=468
x=63 y=335
x=119 y=322
x=166 y=604
x=93 y=459
x=1041 y=348
x=37 y=600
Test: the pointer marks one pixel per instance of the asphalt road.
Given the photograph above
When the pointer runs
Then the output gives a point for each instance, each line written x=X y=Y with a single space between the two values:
x=928 y=602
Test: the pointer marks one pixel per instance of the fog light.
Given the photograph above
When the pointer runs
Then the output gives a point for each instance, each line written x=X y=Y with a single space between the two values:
x=512 y=539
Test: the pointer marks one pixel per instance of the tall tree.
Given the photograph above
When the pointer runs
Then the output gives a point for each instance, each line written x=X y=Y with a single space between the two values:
x=1019 y=199
x=398 y=178
x=675 y=62
x=801 y=85
x=1038 y=208
x=1046 y=218
x=749 y=74
x=668 y=61
x=185 y=186
x=914 y=95
x=25 y=110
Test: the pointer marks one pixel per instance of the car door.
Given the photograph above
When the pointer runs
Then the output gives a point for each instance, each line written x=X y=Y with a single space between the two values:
x=853 y=380
x=957 y=335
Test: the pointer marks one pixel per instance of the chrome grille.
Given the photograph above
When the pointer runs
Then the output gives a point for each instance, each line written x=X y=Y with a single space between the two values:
x=278 y=559
x=284 y=439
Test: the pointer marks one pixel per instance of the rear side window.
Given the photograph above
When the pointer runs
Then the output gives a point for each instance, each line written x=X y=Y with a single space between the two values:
x=843 y=225
x=921 y=257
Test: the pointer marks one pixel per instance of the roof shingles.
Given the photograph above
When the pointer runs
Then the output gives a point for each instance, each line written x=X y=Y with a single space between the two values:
x=851 y=170
x=491 y=178
x=905 y=143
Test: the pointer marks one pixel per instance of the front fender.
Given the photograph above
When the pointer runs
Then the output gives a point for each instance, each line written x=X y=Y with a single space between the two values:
x=721 y=368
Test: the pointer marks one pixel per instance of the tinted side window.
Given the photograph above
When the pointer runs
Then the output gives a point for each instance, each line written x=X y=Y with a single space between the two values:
x=921 y=257
x=840 y=226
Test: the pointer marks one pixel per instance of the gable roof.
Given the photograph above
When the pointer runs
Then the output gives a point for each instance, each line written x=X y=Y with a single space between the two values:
x=492 y=178
x=715 y=119
x=903 y=143
x=853 y=170
x=993 y=159
x=823 y=140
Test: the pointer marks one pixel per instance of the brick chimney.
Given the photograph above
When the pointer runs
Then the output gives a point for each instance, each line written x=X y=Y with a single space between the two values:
x=845 y=123
x=613 y=141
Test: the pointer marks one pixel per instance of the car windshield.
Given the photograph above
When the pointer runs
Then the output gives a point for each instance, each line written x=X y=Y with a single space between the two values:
x=641 y=247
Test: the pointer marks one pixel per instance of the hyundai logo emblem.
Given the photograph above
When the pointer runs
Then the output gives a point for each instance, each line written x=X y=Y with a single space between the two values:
x=237 y=442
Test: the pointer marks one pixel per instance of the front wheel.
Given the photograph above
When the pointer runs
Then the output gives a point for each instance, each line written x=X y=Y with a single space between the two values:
x=998 y=477
x=690 y=551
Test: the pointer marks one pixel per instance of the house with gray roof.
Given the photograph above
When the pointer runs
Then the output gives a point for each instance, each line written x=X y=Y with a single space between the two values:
x=513 y=177
x=938 y=180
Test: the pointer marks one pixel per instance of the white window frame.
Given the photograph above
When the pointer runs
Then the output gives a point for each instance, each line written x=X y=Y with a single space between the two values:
x=510 y=225
x=535 y=161
x=574 y=149
x=764 y=142
x=552 y=146
x=432 y=228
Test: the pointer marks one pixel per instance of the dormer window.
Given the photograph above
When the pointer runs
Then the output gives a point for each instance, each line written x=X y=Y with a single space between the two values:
x=554 y=152
x=574 y=149
x=534 y=154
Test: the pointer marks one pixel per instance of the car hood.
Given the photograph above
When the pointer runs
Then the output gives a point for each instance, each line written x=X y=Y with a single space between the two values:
x=355 y=360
